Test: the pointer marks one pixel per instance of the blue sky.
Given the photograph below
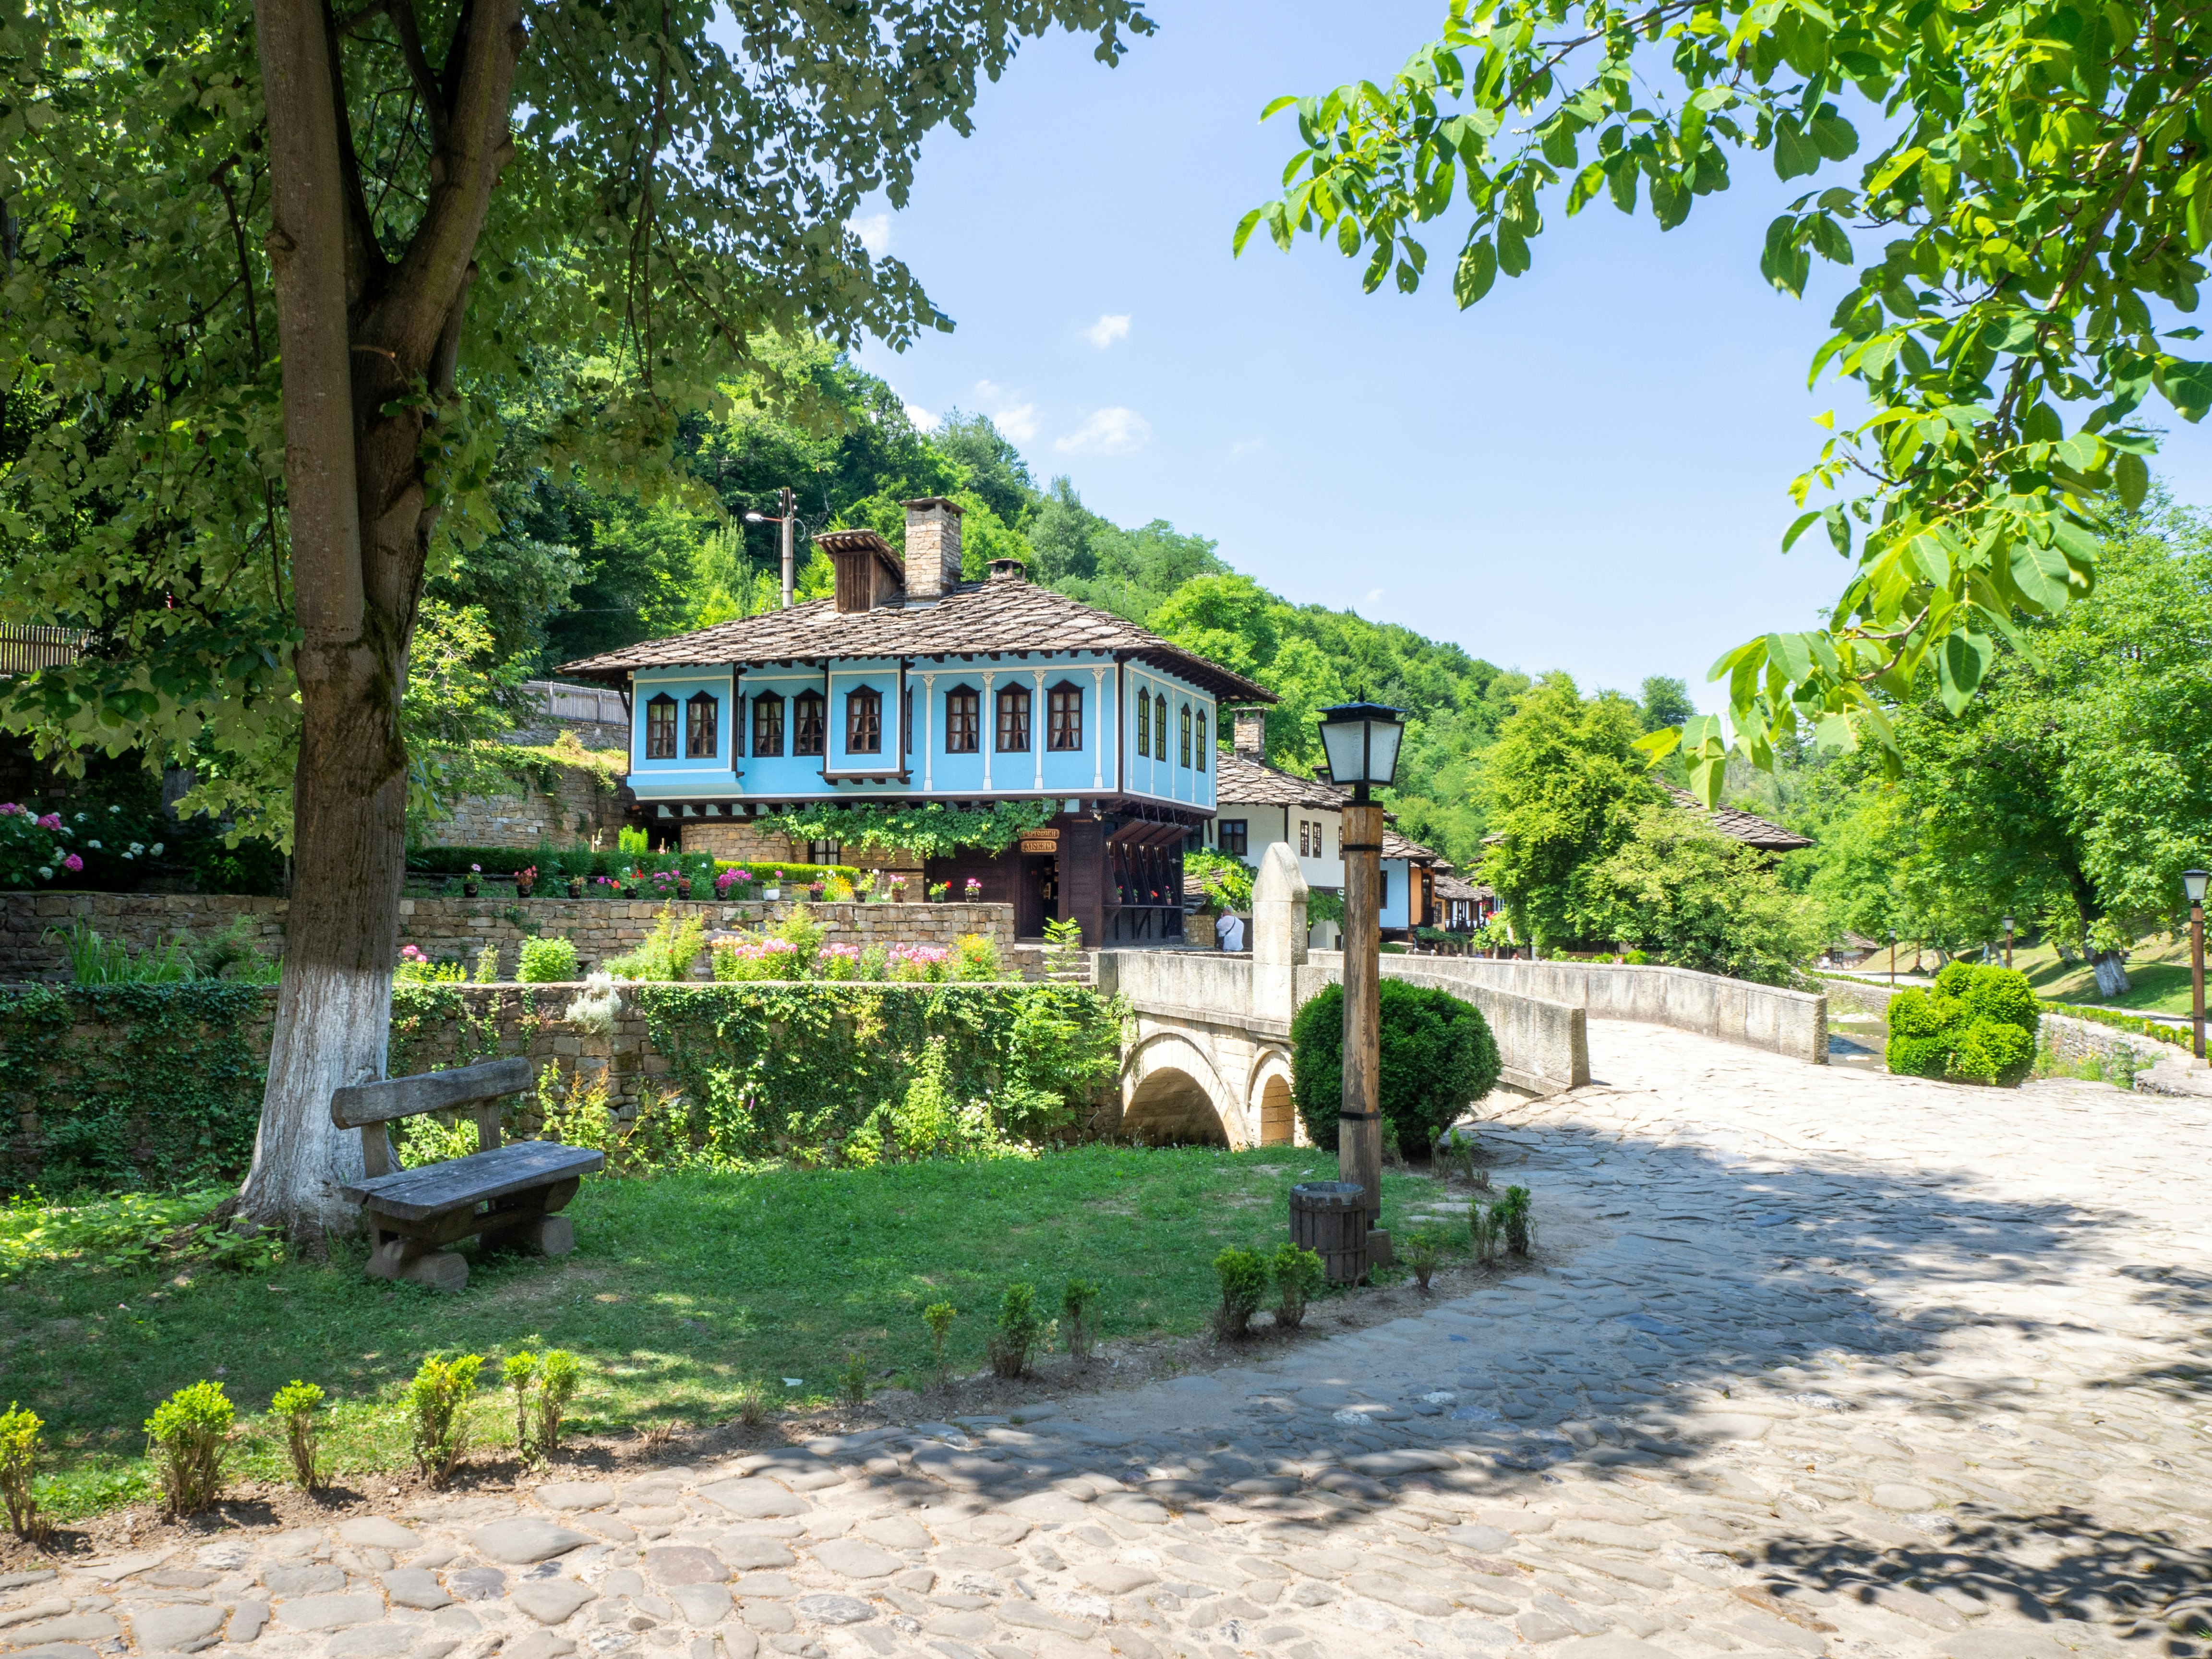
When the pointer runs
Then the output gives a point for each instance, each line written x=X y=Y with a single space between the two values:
x=1587 y=470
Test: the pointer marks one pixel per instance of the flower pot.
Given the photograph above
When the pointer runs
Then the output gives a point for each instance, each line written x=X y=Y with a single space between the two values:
x=468 y=890
x=522 y=889
x=771 y=894
x=683 y=888
x=575 y=887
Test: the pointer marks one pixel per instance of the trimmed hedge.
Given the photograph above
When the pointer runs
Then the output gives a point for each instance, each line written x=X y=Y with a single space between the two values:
x=2133 y=1025
x=1977 y=1025
x=1438 y=1058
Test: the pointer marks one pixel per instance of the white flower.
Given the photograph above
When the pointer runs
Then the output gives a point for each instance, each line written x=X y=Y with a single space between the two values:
x=155 y=849
x=114 y=810
x=126 y=857
x=137 y=846
x=80 y=818
x=95 y=846
x=45 y=874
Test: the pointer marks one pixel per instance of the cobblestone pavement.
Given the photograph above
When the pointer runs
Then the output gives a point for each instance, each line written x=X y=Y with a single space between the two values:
x=1812 y=1362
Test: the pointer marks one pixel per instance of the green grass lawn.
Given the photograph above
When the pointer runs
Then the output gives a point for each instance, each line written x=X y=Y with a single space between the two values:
x=682 y=1288
x=2158 y=974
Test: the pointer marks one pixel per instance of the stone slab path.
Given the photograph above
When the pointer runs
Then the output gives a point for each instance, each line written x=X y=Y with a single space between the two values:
x=1812 y=1362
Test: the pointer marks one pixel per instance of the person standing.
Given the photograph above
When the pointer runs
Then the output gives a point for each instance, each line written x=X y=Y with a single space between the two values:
x=1229 y=928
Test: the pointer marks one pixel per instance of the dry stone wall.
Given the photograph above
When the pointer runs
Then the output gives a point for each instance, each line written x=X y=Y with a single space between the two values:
x=740 y=842
x=579 y=807
x=449 y=927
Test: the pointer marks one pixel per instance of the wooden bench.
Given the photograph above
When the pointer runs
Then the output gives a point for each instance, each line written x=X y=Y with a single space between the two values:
x=507 y=1193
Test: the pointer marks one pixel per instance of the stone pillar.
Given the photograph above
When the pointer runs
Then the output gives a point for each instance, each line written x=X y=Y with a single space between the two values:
x=1278 y=932
x=1359 y=1120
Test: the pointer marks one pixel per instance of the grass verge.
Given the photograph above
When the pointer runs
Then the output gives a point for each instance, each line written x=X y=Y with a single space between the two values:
x=684 y=1287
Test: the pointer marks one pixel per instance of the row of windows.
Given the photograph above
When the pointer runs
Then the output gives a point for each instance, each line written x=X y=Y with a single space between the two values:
x=864 y=724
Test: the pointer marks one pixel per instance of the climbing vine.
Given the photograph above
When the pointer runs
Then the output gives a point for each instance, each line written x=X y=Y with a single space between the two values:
x=928 y=832
x=770 y=1071
x=112 y=1087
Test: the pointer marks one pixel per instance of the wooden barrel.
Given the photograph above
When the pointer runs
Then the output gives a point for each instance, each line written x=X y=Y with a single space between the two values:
x=1329 y=1217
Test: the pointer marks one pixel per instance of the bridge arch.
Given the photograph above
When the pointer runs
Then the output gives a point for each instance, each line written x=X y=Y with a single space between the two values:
x=1172 y=1094
x=1269 y=1108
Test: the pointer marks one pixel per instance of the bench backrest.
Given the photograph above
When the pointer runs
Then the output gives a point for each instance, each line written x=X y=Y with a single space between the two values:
x=368 y=1107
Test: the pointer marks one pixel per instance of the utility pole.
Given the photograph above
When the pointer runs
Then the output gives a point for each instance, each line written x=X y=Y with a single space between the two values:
x=789 y=518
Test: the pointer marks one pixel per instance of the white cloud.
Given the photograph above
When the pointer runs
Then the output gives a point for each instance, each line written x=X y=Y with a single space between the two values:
x=1373 y=598
x=1248 y=446
x=1108 y=432
x=1016 y=421
x=923 y=420
x=1107 y=330
x=874 y=232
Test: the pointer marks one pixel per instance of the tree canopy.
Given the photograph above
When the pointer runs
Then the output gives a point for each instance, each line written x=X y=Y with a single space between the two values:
x=2034 y=209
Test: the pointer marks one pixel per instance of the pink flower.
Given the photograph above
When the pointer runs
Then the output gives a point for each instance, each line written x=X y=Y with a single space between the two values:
x=52 y=821
x=72 y=862
x=8 y=809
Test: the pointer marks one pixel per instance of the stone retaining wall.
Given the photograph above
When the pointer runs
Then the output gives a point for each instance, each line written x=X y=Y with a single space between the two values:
x=448 y=928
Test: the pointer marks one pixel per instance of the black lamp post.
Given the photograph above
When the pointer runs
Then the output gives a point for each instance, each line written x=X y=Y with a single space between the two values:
x=2192 y=883
x=1361 y=740
x=2008 y=941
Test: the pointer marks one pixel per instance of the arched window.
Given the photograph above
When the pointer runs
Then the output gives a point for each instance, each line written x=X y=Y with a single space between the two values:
x=1186 y=734
x=1201 y=740
x=768 y=724
x=1064 y=716
x=1014 y=721
x=1144 y=725
x=1160 y=728
x=864 y=722
x=963 y=721
x=660 y=728
x=703 y=727
x=808 y=725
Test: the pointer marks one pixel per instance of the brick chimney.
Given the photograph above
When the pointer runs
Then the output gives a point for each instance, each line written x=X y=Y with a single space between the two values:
x=933 y=548
x=1249 y=733
x=868 y=573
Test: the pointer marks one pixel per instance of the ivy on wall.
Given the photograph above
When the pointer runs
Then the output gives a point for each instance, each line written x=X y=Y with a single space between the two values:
x=767 y=1071
x=929 y=832
x=129 y=1085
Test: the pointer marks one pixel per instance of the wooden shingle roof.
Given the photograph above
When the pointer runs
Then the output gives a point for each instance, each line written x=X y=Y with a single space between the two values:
x=1747 y=827
x=1243 y=781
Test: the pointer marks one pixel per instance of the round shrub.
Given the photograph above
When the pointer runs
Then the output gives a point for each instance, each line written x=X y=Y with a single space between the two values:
x=1977 y=1025
x=1438 y=1058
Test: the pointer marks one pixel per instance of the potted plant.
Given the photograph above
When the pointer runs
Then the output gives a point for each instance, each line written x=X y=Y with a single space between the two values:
x=469 y=881
x=898 y=890
x=939 y=891
x=774 y=890
x=814 y=892
x=525 y=879
x=975 y=890
x=575 y=887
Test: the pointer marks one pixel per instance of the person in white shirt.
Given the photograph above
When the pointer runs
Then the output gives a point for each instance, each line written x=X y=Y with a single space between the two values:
x=1229 y=928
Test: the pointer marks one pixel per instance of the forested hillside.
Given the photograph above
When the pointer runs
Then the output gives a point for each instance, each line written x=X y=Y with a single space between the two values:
x=576 y=567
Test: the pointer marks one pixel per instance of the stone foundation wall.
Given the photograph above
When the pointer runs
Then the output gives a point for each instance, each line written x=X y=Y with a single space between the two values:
x=2073 y=1040
x=447 y=927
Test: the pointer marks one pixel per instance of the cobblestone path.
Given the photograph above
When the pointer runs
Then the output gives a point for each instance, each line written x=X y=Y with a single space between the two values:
x=1812 y=1362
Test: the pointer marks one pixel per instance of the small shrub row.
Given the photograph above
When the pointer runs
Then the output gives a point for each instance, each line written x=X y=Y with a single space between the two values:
x=2133 y=1025
x=1245 y=1275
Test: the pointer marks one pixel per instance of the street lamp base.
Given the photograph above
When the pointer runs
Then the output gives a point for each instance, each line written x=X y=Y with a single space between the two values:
x=1379 y=1254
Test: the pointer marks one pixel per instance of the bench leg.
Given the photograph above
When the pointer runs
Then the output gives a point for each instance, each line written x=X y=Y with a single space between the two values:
x=410 y=1259
x=535 y=1235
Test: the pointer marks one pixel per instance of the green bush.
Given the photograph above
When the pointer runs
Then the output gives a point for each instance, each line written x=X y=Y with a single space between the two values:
x=1438 y=1058
x=296 y=1406
x=1976 y=1024
x=1243 y=1276
x=548 y=959
x=189 y=1435
x=19 y=1469
x=1016 y=1332
x=1298 y=1273
x=438 y=1409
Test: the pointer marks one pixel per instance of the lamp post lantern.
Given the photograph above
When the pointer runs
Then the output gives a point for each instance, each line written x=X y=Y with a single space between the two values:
x=2192 y=883
x=1361 y=740
x=2008 y=927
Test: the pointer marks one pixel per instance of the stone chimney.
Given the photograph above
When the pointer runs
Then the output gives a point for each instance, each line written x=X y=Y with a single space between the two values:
x=1249 y=733
x=868 y=573
x=933 y=548
x=1009 y=570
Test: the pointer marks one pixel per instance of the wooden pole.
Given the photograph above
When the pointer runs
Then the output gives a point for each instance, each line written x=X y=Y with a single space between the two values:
x=2196 y=974
x=1359 y=1119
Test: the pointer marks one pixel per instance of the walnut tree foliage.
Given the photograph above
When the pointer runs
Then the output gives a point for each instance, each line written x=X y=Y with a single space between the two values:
x=680 y=184
x=2038 y=205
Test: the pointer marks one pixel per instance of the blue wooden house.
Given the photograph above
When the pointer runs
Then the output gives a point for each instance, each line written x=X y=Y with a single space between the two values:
x=911 y=686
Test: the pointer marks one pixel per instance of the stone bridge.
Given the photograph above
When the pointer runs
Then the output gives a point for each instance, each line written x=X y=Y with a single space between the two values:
x=1209 y=1058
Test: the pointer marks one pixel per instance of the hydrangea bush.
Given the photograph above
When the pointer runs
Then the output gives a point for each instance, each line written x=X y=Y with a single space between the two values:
x=48 y=849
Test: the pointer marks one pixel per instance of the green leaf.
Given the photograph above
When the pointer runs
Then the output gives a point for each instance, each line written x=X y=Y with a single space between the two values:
x=2133 y=479
x=2040 y=573
x=1476 y=271
x=1795 y=155
x=1960 y=662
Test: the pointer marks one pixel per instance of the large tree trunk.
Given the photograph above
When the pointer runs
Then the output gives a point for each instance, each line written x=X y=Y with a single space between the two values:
x=2111 y=971
x=358 y=335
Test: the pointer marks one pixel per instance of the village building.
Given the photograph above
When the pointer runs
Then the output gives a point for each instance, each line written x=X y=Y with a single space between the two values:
x=910 y=687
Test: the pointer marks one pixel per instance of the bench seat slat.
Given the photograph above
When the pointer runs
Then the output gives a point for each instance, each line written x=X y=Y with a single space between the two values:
x=364 y=1104
x=436 y=1188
